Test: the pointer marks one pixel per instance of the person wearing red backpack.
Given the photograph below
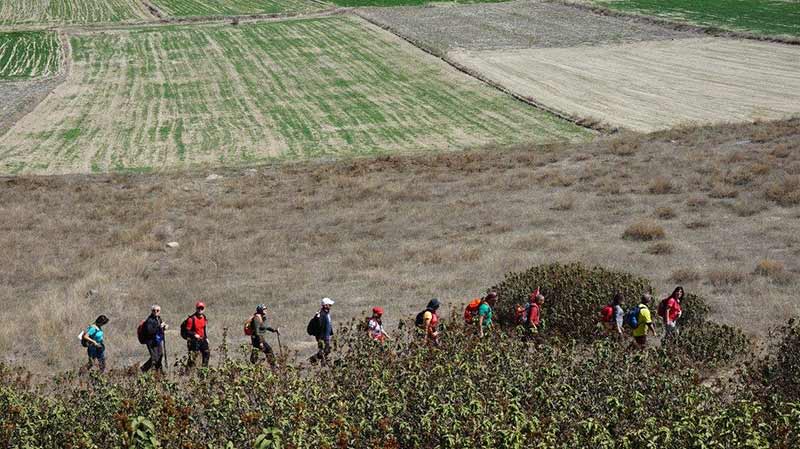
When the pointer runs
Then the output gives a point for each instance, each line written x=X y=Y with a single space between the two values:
x=669 y=309
x=194 y=331
x=531 y=317
x=611 y=316
x=258 y=336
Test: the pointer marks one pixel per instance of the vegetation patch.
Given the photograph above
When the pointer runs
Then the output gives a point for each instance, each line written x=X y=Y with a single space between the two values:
x=29 y=54
x=71 y=11
x=268 y=91
x=644 y=230
x=765 y=17
x=180 y=8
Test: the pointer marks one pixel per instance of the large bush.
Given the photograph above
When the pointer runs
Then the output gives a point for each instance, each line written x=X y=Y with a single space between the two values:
x=574 y=295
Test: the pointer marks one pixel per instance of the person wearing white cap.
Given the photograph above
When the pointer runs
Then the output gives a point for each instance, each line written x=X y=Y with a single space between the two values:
x=325 y=330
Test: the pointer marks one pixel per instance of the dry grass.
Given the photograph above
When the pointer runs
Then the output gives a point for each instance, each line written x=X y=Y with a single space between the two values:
x=661 y=185
x=644 y=230
x=391 y=231
x=665 y=213
x=660 y=248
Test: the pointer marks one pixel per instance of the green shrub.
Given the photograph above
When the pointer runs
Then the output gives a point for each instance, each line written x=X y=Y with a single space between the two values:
x=574 y=295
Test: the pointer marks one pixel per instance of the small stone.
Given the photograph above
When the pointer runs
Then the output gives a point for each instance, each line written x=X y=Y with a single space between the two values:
x=91 y=293
x=173 y=245
x=213 y=177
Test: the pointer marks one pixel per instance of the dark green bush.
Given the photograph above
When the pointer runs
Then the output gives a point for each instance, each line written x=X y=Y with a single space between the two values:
x=574 y=295
x=709 y=344
x=779 y=372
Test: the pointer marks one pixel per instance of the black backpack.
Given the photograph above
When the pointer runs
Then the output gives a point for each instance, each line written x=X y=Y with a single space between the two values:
x=419 y=321
x=314 y=327
x=185 y=334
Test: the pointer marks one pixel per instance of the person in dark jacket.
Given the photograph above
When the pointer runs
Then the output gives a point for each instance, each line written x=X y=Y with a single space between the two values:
x=197 y=343
x=154 y=329
x=258 y=339
x=325 y=334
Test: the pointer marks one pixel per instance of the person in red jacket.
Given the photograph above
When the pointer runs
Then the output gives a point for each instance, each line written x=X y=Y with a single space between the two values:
x=671 y=309
x=197 y=343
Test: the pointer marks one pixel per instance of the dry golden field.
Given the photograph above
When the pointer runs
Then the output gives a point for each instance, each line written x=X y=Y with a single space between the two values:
x=719 y=203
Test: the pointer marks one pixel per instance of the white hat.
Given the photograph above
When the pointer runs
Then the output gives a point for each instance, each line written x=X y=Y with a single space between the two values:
x=327 y=302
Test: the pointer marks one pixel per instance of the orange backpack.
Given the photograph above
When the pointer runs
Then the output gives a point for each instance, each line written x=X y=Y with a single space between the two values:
x=472 y=311
x=248 y=326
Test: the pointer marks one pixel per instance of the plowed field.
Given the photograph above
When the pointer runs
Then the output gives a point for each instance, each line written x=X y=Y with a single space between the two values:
x=653 y=85
x=70 y=11
x=173 y=97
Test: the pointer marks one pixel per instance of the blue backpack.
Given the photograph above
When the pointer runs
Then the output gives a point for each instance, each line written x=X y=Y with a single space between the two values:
x=631 y=318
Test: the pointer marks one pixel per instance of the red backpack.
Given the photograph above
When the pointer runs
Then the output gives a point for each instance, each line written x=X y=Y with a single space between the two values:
x=248 y=326
x=472 y=311
x=141 y=334
x=607 y=314
x=519 y=314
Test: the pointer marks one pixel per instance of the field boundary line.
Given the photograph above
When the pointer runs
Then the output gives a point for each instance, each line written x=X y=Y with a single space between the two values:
x=676 y=25
x=584 y=122
x=50 y=82
x=153 y=9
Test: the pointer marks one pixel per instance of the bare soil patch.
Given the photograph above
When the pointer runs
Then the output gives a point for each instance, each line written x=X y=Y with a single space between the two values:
x=648 y=86
x=520 y=24
x=391 y=231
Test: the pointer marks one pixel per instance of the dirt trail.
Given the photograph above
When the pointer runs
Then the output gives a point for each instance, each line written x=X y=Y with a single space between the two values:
x=650 y=86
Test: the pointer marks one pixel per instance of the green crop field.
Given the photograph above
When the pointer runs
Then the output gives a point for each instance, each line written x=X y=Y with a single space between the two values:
x=233 y=95
x=180 y=8
x=768 y=17
x=28 y=55
x=70 y=11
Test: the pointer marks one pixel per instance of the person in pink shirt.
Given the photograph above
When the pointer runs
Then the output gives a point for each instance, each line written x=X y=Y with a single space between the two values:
x=670 y=310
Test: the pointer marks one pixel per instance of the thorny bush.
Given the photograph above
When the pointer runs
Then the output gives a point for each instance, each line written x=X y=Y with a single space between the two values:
x=498 y=392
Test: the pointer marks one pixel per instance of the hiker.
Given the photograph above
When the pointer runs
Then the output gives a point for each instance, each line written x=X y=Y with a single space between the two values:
x=258 y=336
x=93 y=339
x=640 y=320
x=428 y=321
x=669 y=309
x=323 y=330
x=375 y=328
x=531 y=318
x=612 y=316
x=485 y=313
x=193 y=329
x=152 y=330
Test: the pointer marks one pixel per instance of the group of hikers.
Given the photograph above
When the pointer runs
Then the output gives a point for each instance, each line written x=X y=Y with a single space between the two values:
x=478 y=317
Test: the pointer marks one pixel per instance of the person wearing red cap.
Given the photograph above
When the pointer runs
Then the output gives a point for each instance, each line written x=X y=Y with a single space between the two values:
x=532 y=316
x=194 y=330
x=375 y=328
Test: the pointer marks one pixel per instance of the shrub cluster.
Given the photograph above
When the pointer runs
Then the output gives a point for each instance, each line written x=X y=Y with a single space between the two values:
x=494 y=392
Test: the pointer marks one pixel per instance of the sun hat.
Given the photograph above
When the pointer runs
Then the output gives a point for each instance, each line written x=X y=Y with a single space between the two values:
x=327 y=302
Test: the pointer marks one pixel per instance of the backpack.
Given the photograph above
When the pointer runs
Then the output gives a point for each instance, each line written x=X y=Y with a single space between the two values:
x=185 y=333
x=662 y=308
x=248 y=326
x=632 y=317
x=141 y=334
x=471 y=312
x=419 y=321
x=82 y=339
x=519 y=314
x=314 y=327
x=607 y=313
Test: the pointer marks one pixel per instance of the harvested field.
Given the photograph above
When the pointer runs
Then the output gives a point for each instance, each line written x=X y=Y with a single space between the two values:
x=26 y=55
x=653 y=85
x=20 y=97
x=394 y=231
x=521 y=24
x=178 y=8
x=70 y=11
x=765 y=17
x=229 y=95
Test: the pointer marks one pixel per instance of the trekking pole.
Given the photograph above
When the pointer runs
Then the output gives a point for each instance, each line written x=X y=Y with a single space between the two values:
x=280 y=348
x=166 y=359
